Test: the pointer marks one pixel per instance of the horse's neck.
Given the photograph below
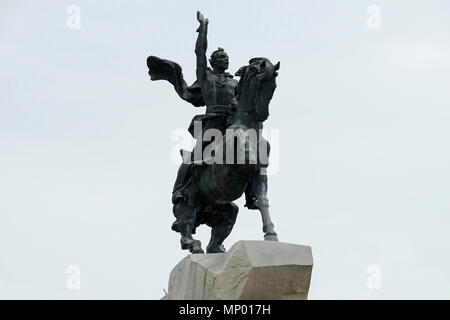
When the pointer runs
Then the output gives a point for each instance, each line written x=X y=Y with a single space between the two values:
x=245 y=115
x=245 y=118
x=246 y=99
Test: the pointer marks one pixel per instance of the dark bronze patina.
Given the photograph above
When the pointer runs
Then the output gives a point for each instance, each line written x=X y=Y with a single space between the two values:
x=204 y=192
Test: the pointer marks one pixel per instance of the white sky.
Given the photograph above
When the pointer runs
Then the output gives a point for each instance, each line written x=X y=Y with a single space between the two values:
x=85 y=149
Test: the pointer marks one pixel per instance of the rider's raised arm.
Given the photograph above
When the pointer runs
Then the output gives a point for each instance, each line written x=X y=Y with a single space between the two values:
x=200 y=47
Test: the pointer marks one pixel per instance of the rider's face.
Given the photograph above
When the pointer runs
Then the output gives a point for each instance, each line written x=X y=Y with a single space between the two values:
x=221 y=60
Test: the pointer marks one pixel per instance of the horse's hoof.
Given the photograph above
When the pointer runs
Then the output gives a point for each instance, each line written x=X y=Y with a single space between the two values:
x=196 y=247
x=196 y=251
x=216 y=249
x=272 y=236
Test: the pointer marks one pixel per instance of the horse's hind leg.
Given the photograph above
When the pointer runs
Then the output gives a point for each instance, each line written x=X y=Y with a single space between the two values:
x=221 y=220
x=268 y=226
x=185 y=224
x=256 y=198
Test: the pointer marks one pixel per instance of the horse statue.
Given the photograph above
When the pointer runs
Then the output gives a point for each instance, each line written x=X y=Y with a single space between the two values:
x=213 y=187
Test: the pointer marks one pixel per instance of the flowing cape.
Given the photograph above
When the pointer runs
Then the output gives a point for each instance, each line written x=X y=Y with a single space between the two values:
x=161 y=69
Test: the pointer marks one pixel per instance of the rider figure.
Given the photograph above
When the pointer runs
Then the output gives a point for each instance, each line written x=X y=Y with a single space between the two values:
x=219 y=92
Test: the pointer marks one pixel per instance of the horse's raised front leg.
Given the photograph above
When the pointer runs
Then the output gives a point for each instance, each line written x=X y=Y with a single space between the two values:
x=184 y=224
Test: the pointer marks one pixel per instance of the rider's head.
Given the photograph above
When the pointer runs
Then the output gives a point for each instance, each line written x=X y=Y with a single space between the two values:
x=219 y=60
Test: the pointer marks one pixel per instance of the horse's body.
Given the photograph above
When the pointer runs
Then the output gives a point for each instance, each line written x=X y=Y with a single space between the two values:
x=213 y=187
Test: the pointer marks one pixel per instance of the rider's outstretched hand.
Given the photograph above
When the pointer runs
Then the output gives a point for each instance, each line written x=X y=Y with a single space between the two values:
x=202 y=20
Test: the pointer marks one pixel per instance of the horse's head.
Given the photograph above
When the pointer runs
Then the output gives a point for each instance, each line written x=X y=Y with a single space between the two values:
x=257 y=85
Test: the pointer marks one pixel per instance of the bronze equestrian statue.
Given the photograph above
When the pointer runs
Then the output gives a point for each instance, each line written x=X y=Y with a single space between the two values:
x=204 y=190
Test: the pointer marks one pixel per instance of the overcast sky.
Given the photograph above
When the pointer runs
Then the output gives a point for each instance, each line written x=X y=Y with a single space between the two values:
x=85 y=142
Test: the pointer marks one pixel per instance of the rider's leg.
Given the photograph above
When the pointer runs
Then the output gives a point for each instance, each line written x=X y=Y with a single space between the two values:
x=182 y=177
x=184 y=172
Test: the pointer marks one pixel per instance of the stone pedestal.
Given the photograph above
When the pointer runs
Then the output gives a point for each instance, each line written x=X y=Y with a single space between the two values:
x=253 y=270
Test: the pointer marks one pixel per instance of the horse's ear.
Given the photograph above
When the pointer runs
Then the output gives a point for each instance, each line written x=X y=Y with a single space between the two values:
x=262 y=70
x=277 y=66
